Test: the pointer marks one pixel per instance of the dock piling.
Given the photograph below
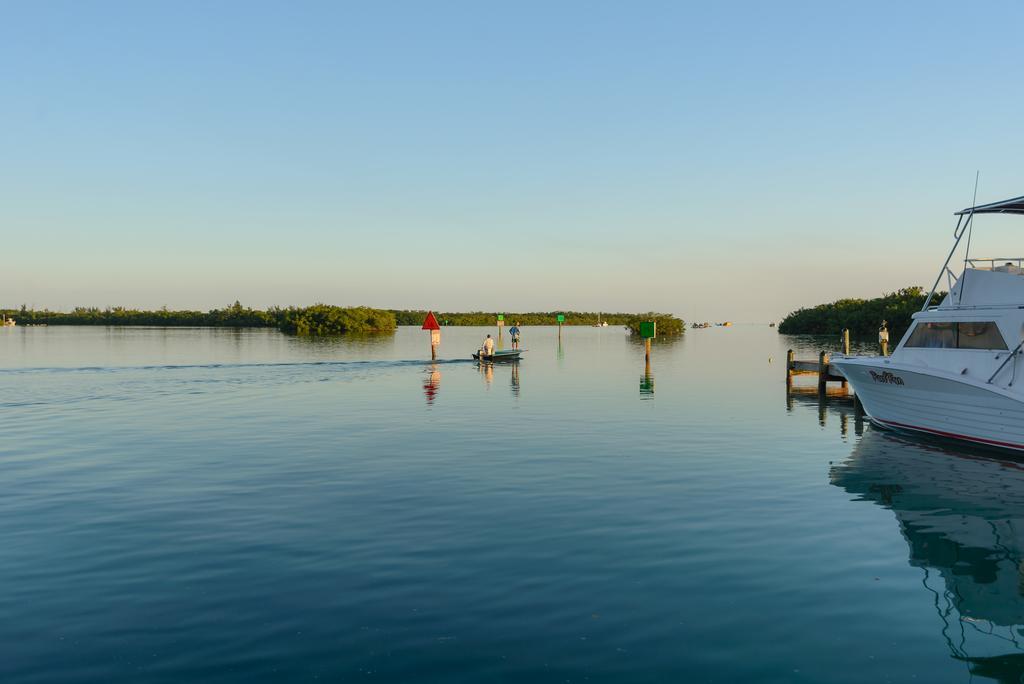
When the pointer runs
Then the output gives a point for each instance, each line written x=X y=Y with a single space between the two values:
x=822 y=372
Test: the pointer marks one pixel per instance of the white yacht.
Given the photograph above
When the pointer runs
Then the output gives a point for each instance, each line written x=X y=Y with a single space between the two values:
x=955 y=372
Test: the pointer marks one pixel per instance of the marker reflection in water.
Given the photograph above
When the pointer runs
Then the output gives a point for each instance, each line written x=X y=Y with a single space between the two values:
x=432 y=383
x=647 y=381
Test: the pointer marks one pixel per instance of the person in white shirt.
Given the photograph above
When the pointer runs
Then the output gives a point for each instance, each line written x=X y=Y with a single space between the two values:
x=488 y=346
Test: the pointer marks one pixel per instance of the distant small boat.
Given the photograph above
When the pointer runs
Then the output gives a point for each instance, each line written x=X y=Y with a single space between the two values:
x=498 y=355
x=7 y=322
x=600 y=323
x=771 y=325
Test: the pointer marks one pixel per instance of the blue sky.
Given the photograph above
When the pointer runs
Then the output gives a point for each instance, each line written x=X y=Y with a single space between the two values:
x=715 y=160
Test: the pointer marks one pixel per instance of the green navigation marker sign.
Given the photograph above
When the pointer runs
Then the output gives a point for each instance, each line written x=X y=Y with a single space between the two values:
x=561 y=318
x=648 y=330
x=501 y=317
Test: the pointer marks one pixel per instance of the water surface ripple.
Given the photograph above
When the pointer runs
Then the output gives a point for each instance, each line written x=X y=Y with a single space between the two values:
x=238 y=506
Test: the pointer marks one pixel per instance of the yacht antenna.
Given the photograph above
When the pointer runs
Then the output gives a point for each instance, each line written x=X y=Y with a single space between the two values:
x=970 y=232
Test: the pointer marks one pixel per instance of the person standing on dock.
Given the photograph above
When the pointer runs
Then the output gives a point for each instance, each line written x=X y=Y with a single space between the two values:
x=514 y=332
x=489 y=346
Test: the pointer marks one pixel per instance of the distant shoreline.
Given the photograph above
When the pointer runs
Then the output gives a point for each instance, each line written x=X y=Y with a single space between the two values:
x=322 y=319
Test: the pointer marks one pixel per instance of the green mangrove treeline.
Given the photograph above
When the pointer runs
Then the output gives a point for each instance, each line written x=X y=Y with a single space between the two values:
x=861 y=316
x=322 y=319
x=234 y=316
x=672 y=325
x=319 y=319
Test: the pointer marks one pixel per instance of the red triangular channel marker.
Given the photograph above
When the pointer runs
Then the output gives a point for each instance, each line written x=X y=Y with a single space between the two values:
x=430 y=323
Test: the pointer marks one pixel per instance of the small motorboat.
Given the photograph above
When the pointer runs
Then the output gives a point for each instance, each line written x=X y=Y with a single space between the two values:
x=498 y=355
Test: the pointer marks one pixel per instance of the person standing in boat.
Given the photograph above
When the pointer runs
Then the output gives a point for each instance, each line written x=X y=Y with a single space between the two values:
x=514 y=332
x=489 y=346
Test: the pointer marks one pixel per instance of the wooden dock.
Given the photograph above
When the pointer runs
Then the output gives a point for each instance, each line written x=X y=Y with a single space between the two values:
x=823 y=368
x=827 y=372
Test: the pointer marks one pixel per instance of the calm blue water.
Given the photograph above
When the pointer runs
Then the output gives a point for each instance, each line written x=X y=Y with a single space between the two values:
x=239 y=506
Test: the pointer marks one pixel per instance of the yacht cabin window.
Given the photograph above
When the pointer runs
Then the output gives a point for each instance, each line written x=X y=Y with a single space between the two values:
x=949 y=335
x=979 y=336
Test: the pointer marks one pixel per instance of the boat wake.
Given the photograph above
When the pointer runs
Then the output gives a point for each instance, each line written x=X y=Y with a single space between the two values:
x=412 y=363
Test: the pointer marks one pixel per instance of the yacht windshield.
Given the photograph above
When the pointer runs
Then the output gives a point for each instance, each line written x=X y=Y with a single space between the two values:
x=950 y=335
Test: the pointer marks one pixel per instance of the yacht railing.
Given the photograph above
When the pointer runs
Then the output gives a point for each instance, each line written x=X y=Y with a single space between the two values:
x=950 y=279
x=1014 y=265
x=992 y=263
x=964 y=220
x=1013 y=355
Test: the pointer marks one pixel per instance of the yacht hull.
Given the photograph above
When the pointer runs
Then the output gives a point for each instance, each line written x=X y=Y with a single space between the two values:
x=938 y=404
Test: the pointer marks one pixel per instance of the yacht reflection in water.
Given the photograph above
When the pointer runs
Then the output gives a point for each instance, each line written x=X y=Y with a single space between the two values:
x=962 y=514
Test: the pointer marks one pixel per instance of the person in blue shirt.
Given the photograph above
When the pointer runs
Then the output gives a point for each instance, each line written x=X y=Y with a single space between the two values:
x=514 y=332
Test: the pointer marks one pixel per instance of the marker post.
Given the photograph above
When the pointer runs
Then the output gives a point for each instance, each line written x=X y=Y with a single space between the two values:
x=430 y=323
x=648 y=331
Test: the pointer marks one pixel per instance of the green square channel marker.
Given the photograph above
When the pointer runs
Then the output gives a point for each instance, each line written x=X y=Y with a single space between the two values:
x=501 y=317
x=561 y=318
x=648 y=329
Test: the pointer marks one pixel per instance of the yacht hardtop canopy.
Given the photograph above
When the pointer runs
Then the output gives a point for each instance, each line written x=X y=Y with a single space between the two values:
x=1010 y=206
